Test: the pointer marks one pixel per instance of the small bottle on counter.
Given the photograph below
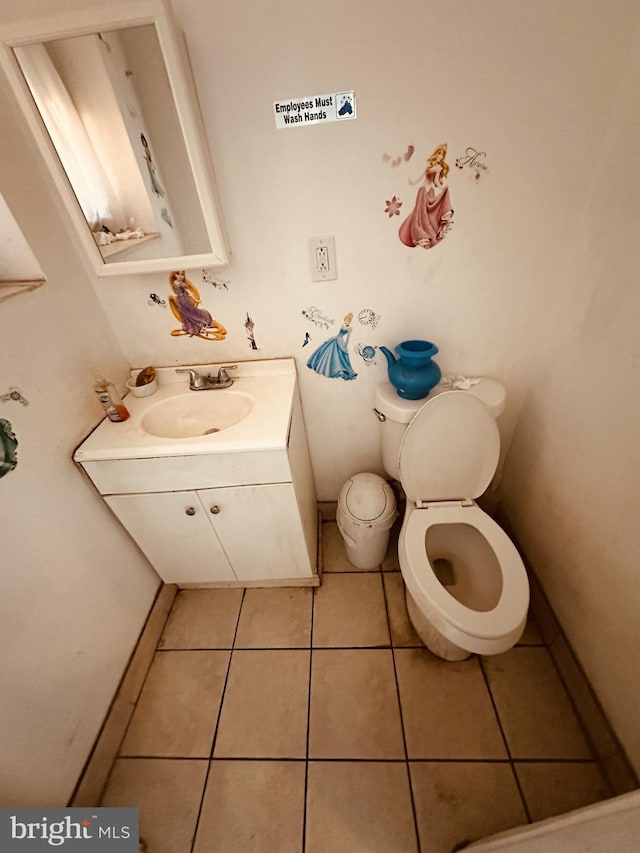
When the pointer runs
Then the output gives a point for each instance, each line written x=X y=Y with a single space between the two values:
x=110 y=400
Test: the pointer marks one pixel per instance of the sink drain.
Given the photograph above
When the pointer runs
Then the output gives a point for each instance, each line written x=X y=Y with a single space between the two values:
x=211 y=431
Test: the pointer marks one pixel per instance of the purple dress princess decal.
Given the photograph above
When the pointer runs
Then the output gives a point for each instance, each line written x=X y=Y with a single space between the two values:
x=196 y=322
x=331 y=359
x=432 y=215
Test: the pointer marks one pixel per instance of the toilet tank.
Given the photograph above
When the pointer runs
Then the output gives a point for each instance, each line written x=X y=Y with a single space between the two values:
x=398 y=413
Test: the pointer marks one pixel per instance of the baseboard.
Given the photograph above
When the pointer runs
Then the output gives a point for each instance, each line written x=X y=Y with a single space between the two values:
x=327 y=510
x=312 y=580
x=96 y=771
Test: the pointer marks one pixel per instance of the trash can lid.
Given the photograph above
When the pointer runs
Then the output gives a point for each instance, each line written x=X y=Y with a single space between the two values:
x=367 y=497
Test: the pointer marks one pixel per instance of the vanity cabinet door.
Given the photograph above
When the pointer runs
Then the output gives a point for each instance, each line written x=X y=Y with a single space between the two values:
x=260 y=530
x=174 y=533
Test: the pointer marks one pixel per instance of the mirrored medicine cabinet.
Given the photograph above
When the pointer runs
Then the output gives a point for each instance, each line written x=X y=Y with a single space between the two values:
x=108 y=96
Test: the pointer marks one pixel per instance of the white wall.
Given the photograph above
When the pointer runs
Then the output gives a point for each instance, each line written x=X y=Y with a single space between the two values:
x=75 y=591
x=530 y=87
x=572 y=476
x=534 y=86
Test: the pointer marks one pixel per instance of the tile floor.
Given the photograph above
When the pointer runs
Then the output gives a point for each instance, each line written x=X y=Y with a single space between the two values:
x=279 y=720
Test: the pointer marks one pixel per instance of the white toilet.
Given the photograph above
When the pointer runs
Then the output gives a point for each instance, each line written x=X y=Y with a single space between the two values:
x=467 y=588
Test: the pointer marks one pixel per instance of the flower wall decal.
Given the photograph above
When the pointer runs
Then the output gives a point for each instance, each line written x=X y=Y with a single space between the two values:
x=393 y=207
x=395 y=161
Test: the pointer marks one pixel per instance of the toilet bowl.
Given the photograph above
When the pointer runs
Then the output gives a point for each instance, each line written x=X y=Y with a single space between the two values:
x=467 y=588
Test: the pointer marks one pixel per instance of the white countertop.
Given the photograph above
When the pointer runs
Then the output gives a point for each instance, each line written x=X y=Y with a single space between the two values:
x=271 y=383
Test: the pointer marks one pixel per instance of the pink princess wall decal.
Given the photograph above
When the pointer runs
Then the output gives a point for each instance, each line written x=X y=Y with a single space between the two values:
x=432 y=215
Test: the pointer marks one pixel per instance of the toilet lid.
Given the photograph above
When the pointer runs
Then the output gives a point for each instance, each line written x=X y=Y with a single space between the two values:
x=450 y=450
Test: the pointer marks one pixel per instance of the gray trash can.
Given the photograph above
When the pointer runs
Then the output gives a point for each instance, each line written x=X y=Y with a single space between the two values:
x=365 y=516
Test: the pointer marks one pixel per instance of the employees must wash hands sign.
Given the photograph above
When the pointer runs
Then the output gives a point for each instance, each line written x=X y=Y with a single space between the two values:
x=315 y=109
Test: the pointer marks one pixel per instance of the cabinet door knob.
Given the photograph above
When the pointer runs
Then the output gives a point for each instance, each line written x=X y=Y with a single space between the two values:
x=189 y=511
x=214 y=509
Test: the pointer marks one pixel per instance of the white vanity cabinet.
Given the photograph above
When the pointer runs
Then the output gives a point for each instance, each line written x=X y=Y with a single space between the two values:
x=175 y=535
x=244 y=533
x=234 y=508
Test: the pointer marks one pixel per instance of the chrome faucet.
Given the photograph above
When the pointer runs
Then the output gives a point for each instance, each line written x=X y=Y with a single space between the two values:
x=198 y=382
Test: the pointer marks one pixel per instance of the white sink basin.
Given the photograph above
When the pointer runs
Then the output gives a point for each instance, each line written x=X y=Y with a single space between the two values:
x=253 y=415
x=196 y=413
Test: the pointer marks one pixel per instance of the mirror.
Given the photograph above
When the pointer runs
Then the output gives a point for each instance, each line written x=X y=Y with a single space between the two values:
x=108 y=96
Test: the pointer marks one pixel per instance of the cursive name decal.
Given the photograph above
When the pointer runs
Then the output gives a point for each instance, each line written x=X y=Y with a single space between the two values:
x=473 y=159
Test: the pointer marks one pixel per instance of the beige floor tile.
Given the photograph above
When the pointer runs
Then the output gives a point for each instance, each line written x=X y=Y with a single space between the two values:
x=535 y=712
x=354 y=705
x=264 y=713
x=333 y=551
x=359 y=807
x=252 y=807
x=531 y=635
x=557 y=787
x=458 y=801
x=202 y=619
x=349 y=610
x=167 y=792
x=178 y=707
x=402 y=632
x=446 y=708
x=275 y=618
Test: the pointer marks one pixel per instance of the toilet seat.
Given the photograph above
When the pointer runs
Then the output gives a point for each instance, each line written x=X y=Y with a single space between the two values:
x=483 y=632
x=448 y=456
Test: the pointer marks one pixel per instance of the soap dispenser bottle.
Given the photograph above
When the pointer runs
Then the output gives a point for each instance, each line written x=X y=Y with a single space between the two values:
x=110 y=400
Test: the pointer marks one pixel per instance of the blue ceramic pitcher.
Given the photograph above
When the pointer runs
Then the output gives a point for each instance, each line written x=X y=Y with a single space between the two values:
x=413 y=374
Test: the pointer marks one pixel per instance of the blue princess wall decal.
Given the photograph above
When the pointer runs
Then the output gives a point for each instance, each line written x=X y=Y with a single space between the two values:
x=331 y=359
